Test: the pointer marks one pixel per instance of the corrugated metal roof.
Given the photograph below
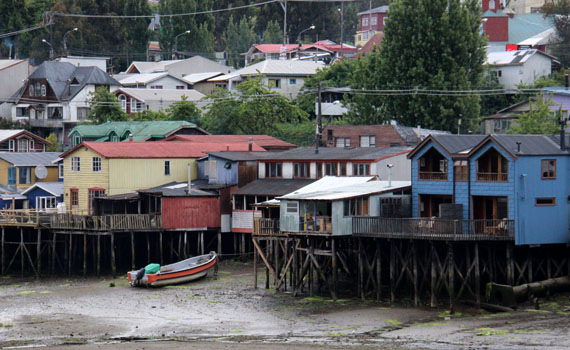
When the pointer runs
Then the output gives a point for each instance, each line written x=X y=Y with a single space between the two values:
x=142 y=78
x=505 y=58
x=380 y=9
x=334 y=153
x=148 y=129
x=531 y=145
x=178 y=189
x=30 y=158
x=271 y=187
x=237 y=156
x=55 y=188
x=337 y=188
x=149 y=67
x=264 y=141
x=158 y=149
x=524 y=26
x=458 y=143
x=9 y=63
x=198 y=77
x=8 y=133
x=275 y=67
x=157 y=95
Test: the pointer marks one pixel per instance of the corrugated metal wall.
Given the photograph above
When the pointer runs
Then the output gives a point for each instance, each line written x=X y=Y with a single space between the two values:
x=190 y=212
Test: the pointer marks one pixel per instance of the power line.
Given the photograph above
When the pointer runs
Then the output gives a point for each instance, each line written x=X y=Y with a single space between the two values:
x=21 y=31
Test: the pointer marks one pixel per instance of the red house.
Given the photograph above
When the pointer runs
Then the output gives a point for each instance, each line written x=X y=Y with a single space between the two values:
x=21 y=141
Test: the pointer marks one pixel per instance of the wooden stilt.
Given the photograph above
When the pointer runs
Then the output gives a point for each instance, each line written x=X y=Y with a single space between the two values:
x=3 y=261
x=160 y=248
x=433 y=282
x=415 y=272
x=242 y=246
x=84 y=254
x=295 y=268
x=267 y=266
x=22 y=251
x=392 y=271
x=275 y=259
x=529 y=267
x=98 y=255
x=133 y=265
x=333 y=266
x=451 y=273
x=201 y=242
x=254 y=263
x=185 y=250
x=311 y=249
x=378 y=270
x=70 y=254
x=53 y=252
x=360 y=289
x=148 y=248
x=180 y=250
x=235 y=243
x=220 y=243
x=39 y=254
x=510 y=266
x=477 y=275
x=113 y=265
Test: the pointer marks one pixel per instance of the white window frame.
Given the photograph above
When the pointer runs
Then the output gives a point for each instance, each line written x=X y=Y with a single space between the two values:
x=96 y=164
x=373 y=20
x=133 y=105
x=60 y=170
x=76 y=140
x=75 y=164
x=365 y=21
x=123 y=100
x=11 y=146
x=167 y=169
x=46 y=202
x=44 y=90
x=292 y=207
x=23 y=142
x=367 y=141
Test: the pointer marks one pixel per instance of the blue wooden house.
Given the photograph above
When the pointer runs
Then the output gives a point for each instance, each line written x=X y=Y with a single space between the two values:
x=503 y=184
x=44 y=196
x=229 y=168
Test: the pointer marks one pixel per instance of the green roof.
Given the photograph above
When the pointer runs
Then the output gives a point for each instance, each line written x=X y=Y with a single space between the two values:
x=140 y=130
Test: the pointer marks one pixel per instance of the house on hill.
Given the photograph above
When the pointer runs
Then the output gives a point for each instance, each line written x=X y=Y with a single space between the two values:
x=268 y=143
x=140 y=131
x=513 y=68
x=140 y=100
x=155 y=81
x=179 y=68
x=370 y=23
x=13 y=71
x=19 y=140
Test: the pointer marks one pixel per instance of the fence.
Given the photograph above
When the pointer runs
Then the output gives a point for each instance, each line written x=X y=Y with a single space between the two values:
x=120 y=222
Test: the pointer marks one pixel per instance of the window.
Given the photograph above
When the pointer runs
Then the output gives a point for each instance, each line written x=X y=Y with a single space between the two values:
x=76 y=140
x=23 y=145
x=361 y=169
x=548 y=169
x=374 y=20
x=55 y=112
x=499 y=73
x=75 y=164
x=302 y=170
x=364 y=21
x=356 y=207
x=544 y=202
x=82 y=113
x=342 y=169
x=92 y=194
x=25 y=175
x=43 y=90
x=292 y=207
x=11 y=144
x=96 y=164
x=180 y=87
x=31 y=90
x=74 y=197
x=275 y=83
x=159 y=87
x=21 y=112
x=167 y=168
x=342 y=142
x=319 y=170
x=365 y=35
x=123 y=100
x=292 y=81
x=60 y=170
x=12 y=175
x=133 y=105
x=331 y=169
x=329 y=134
x=43 y=203
x=213 y=172
x=273 y=169
x=367 y=141
x=114 y=137
x=460 y=168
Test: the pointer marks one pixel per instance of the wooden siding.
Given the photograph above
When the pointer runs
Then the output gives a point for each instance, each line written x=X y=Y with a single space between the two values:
x=190 y=212
x=84 y=179
x=4 y=165
x=128 y=175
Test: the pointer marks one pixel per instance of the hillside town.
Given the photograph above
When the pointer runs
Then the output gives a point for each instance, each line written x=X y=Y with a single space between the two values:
x=288 y=173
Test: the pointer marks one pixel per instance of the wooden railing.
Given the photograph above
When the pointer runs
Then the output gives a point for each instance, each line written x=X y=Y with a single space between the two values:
x=263 y=226
x=316 y=224
x=493 y=177
x=432 y=175
x=22 y=217
x=431 y=228
x=121 y=222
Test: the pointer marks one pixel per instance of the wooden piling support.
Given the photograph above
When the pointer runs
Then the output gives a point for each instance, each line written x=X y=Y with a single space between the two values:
x=392 y=271
x=22 y=251
x=201 y=242
x=185 y=249
x=333 y=266
x=148 y=248
x=113 y=265
x=3 y=261
x=378 y=270
x=39 y=254
x=451 y=273
x=84 y=254
x=360 y=279
x=254 y=264
x=53 y=252
x=133 y=264
x=242 y=246
x=415 y=272
x=160 y=248
x=70 y=254
x=219 y=234
x=433 y=282
x=98 y=255
x=510 y=266
x=477 y=275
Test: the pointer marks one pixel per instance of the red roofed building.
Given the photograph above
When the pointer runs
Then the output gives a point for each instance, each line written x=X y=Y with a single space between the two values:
x=267 y=142
x=322 y=50
x=98 y=169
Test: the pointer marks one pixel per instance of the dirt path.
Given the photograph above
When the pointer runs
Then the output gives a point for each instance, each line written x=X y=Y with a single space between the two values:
x=226 y=312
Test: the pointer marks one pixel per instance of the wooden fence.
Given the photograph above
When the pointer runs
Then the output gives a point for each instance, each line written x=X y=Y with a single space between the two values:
x=265 y=226
x=22 y=217
x=122 y=222
x=430 y=228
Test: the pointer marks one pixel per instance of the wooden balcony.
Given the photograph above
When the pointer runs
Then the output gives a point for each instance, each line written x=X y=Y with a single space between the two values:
x=121 y=222
x=23 y=218
x=265 y=227
x=319 y=225
x=436 y=229
x=432 y=176
x=493 y=177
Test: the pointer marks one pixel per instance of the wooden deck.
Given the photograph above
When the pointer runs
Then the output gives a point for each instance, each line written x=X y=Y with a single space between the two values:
x=434 y=229
x=22 y=218
x=122 y=222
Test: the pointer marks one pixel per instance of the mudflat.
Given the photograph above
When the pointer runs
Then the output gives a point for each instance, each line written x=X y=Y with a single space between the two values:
x=226 y=312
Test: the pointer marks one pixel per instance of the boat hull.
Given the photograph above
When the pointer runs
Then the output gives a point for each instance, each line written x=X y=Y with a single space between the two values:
x=180 y=272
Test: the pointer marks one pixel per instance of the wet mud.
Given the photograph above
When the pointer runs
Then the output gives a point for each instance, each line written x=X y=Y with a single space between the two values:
x=226 y=312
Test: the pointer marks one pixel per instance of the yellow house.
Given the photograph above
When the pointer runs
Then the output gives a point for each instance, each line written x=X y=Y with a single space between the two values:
x=22 y=170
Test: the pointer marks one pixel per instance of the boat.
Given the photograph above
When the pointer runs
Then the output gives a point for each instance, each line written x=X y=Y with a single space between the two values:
x=181 y=272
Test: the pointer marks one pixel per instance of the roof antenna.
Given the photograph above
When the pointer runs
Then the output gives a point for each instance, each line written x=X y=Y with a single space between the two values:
x=519 y=147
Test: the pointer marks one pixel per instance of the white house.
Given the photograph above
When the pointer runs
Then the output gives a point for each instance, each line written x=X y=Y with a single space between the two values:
x=56 y=96
x=159 y=80
x=286 y=77
x=179 y=68
x=519 y=67
x=12 y=72
x=139 y=100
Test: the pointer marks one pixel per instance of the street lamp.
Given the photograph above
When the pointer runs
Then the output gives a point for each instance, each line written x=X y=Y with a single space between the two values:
x=50 y=48
x=299 y=38
x=341 y=10
x=176 y=44
x=65 y=38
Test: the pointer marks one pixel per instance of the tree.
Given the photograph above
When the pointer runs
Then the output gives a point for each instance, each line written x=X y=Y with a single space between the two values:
x=239 y=38
x=105 y=107
x=273 y=33
x=55 y=145
x=492 y=103
x=430 y=45
x=148 y=115
x=255 y=109
x=184 y=110
x=559 y=12
x=540 y=119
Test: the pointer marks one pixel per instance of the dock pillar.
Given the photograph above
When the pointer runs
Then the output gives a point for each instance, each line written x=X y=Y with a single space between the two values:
x=39 y=254
x=98 y=255
x=133 y=264
x=160 y=248
x=378 y=270
x=219 y=234
x=451 y=276
x=254 y=262
x=53 y=252
x=3 y=261
x=113 y=265
x=70 y=254
x=84 y=254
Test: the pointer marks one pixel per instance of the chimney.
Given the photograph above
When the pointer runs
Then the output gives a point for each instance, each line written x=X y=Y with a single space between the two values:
x=130 y=137
x=189 y=189
x=250 y=147
x=518 y=147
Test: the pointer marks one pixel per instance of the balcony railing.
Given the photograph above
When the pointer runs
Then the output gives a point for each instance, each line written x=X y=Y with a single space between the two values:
x=432 y=175
x=493 y=177
x=432 y=228
x=264 y=227
x=316 y=224
x=123 y=222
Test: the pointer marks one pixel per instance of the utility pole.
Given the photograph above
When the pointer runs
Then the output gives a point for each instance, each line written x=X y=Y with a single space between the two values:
x=319 y=121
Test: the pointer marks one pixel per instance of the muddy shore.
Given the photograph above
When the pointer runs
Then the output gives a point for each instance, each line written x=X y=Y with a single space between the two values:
x=226 y=312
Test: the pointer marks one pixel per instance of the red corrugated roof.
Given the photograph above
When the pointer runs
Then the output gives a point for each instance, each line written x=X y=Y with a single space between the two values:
x=264 y=141
x=376 y=40
x=160 y=149
x=323 y=44
x=276 y=48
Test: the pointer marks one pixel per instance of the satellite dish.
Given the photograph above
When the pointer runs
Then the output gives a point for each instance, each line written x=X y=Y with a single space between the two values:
x=41 y=172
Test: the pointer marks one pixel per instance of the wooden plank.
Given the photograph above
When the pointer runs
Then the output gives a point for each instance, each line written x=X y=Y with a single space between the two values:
x=262 y=255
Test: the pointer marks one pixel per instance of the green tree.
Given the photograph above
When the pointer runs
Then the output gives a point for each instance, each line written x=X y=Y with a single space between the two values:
x=255 y=109
x=238 y=37
x=55 y=145
x=492 y=103
x=148 y=115
x=273 y=33
x=184 y=110
x=105 y=107
x=559 y=12
x=137 y=34
x=428 y=44
x=540 y=119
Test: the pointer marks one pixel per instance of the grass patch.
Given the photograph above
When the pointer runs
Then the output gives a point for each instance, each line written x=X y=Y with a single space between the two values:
x=446 y=313
x=216 y=287
x=64 y=285
x=46 y=292
x=336 y=334
x=224 y=273
x=433 y=324
x=26 y=292
x=237 y=332
x=522 y=331
x=539 y=311
x=14 y=286
x=214 y=301
x=193 y=296
x=179 y=287
x=394 y=322
x=490 y=331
